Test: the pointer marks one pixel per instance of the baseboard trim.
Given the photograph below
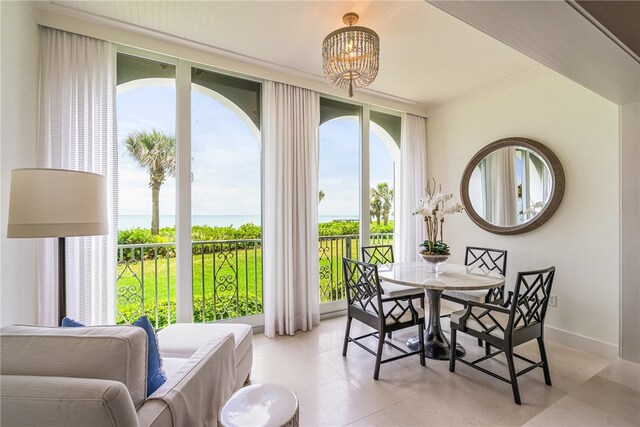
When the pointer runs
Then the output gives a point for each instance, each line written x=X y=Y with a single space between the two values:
x=582 y=343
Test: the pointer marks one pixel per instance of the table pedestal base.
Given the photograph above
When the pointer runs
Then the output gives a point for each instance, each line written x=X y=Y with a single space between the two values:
x=436 y=345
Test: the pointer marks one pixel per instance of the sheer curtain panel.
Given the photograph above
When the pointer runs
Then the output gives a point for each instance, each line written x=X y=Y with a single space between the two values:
x=290 y=232
x=78 y=132
x=409 y=229
x=502 y=174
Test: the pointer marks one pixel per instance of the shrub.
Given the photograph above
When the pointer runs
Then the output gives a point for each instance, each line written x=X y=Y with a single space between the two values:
x=226 y=308
x=205 y=233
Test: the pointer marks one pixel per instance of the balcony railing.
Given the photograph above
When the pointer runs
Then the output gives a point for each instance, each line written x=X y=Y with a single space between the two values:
x=227 y=277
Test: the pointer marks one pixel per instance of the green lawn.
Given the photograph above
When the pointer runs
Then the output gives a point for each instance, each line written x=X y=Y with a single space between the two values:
x=226 y=283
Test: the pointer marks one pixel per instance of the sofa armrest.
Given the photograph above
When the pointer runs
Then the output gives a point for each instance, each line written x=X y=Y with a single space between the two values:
x=198 y=390
x=58 y=401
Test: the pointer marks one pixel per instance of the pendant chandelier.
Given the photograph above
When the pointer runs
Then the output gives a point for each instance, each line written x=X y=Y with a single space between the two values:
x=350 y=55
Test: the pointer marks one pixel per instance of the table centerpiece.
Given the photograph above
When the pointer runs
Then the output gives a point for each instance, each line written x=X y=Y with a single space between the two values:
x=434 y=206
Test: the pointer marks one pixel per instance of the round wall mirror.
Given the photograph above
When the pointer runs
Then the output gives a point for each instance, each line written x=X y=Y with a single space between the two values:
x=512 y=186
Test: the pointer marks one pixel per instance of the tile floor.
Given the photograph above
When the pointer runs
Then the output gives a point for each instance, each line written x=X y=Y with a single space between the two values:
x=335 y=390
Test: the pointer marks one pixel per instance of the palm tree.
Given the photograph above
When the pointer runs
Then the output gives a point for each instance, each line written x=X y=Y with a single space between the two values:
x=156 y=152
x=376 y=207
x=320 y=196
x=383 y=196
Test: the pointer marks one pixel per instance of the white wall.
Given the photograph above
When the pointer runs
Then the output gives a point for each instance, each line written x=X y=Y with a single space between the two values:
x=19 y=75
x=582 y=238
x=630 y=231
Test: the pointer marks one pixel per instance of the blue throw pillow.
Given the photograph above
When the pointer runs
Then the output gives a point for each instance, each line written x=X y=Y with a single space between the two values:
x=155 y=374
x=70 y=323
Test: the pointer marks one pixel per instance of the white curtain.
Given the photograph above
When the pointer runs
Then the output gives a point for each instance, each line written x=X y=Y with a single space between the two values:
x=409 y=229
x=504 y=198
x=78 y=132
x=290 y=233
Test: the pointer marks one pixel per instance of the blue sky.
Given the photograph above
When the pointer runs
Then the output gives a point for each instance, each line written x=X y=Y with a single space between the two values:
x=226 y=158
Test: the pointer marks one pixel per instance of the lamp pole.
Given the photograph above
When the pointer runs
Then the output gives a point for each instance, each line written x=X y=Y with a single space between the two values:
x=62 y=277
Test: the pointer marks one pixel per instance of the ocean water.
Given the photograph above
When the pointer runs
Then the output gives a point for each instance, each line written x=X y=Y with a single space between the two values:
x=126 y=222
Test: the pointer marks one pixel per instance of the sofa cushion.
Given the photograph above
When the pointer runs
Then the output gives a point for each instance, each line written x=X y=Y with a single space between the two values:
x=117 y=353
x=171 y=365
x=183 y=339
x=155 y=374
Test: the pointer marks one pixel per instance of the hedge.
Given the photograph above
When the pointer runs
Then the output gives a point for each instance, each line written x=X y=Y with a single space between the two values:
x=200 y=233
x=226 y=309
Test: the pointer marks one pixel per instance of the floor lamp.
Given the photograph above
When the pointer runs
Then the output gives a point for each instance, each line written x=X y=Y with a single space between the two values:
x=57 y=203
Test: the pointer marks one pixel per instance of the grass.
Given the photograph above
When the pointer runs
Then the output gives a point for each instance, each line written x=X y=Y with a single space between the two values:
x=226 y=283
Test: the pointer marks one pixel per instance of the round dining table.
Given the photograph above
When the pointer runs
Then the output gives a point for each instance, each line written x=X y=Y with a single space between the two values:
x=453 y=277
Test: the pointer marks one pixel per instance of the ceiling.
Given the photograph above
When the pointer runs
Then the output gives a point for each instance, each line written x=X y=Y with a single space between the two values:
x=427 y=56
x=620 y=18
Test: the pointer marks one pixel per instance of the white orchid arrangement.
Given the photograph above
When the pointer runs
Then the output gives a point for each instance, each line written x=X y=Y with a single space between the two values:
x=434 y=206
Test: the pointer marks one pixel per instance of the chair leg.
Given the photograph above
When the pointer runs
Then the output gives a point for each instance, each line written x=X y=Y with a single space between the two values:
x=346 y=335
x=389 y=335
x=479 y=342
x=376 y=372
x=487 y=348
x=421 y=340
x=452 y=351
x=545 y=366
x=508 y=352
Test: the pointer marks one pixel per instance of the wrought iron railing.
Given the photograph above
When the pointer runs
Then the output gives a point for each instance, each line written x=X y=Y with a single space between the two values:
x=227 y=277
x=331 y=251
x=145 y=283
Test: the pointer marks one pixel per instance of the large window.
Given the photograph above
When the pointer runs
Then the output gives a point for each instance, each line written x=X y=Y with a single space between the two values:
x=352 y=162
x=339 y=194
x=225 y=196
x=190 y=199
x=384 y=156
x=146 y=104
x=225 y=259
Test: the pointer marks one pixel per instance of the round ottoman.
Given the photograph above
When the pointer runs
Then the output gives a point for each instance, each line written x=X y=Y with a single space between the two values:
x=265 y=405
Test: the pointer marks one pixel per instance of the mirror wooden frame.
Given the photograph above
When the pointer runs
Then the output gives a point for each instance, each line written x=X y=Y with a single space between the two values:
x=557 y=187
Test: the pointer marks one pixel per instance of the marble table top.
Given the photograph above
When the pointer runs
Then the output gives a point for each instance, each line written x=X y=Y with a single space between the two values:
x=449 y=277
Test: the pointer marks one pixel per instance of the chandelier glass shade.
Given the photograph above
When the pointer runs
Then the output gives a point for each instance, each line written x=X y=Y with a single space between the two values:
x=350 y=55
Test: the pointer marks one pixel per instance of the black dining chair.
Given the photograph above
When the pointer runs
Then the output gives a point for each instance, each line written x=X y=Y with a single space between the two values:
x=366 y=303
x=488 y=260
x=506 y=327
x=383 y=254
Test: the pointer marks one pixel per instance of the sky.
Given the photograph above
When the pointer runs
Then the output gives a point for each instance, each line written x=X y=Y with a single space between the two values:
x=226 y=158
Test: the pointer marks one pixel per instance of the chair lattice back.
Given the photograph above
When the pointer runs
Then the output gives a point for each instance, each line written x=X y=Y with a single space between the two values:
x=491 y=260
x=364 y=292
x=363 y=287
x=382 y=254
x=531 y=297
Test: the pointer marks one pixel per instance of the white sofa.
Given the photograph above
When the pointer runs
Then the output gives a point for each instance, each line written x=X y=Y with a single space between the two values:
x=96 y=376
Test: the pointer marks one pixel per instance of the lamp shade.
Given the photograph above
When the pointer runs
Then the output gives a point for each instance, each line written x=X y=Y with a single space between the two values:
x=57 y=203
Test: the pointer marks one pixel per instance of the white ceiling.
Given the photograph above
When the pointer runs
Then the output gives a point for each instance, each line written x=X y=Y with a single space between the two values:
x=427 y=56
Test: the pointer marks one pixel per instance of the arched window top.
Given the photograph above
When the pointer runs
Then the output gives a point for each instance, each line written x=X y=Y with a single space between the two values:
x=134 y=71
x=245 y=94
x=388 y=126
x=391 y=124
x=132 y=68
